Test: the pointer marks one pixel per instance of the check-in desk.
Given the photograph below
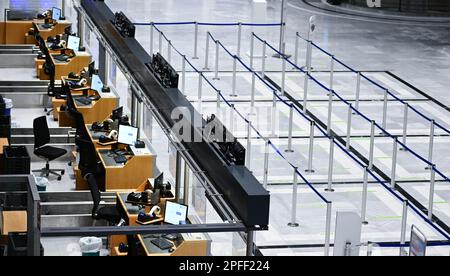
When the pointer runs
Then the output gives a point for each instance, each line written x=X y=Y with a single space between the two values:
x=74 y=64
x=16 y=31
x=129 y=176
x=185 y=245
x=97 y=111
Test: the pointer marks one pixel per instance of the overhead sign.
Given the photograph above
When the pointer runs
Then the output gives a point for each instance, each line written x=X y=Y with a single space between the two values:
x=418 y=247
x=348 y=233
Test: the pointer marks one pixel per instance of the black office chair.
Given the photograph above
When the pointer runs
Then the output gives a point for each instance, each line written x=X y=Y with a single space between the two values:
x=43 y=151
x=91 y=169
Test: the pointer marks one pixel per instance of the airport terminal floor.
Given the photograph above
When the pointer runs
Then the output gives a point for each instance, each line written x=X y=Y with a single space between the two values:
x=223 y=128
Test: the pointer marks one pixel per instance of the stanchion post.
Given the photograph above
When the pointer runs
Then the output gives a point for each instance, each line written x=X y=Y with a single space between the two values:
x=274 y=113
x=218 y=99
x=195 y=41
x=385 y=109
x=404 y=226
x=183 y=78
x=249 y=144
x=431 y=143
x=364 y=196
x=309 y=56
x=358 y=91
x=331 y=167
x=372 y=145
x=239 y=42
x=169 y=51
x=200 y=86
x=252 y=100
x=233 y=85
x=328 y=228
x=291 y=128
x=394 y=164
x=349 y=127
x=207 y=52
x=232 y=118
x=216 y=76
x=405 y=125
x=432 y=192
x=283 y=76
x=330 y=110
x=252 y=50
x=332 y=72
x=152 y=27
x=160 y=42
x=294 y=222
x=263 y=61
x=311 y=147
x=305 y=92
x=266 y=164
x=297 y=42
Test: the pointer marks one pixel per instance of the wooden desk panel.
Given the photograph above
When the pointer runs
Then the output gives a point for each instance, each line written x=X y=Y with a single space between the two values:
x=75 y=64
x=14 y=221
x=56 y=30
x=99 y=110
x=15 y=31
x=2 y=33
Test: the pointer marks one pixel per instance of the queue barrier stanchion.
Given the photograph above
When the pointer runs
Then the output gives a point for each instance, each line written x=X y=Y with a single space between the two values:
x=330 y=111
x=206 y=68
x=239 y=40
x=365 y=196
x=252 y=50
x=328 y=229
x=385 y=109
x=331 y=167
x=358 y=91
x=332 y=73
x=432 y=192
x=372 y=145
x=394 y=164
x=294 y=222
x=349 y=127
x=266 y=164
x=200 y=86
x=234 y=78
x=274 y=114
x=249 y=144
x=263 y=60
x=216 y=75
x=283 y=76
x=196 y=29
x=404 y=226
x=291 y=129
x=160 y=42
x=405 y=125
x=152 y=27
x=311 y=147
x=183 y=78
x=431 y=144
x=296 y=52
x=253 y=95
x=169 y=51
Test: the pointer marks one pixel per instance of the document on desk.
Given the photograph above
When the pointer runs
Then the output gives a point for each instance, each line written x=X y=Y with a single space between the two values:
x=144 y=151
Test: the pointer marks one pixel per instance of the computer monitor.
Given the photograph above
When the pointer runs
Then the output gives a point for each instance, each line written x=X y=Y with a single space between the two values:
x=73 y=43
x=175 y=213
x=127 y=135
x=91 y=69
x=159 y=181
x=96 y=83
x=56 y=14
x=117 y=114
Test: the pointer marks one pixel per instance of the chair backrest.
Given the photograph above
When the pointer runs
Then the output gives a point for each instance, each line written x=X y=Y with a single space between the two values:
x=82 y=132
x=95 y=192
x=41 y=132
x=88 y=157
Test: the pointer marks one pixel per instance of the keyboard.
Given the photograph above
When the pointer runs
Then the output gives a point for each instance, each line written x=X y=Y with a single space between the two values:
x=84 y=101
x=62 y=58
x=120 y=159
x=47 y=26
x=162 y=244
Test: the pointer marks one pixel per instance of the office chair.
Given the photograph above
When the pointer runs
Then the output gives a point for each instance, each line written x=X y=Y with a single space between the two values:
x=43 y=151
x=91 y=169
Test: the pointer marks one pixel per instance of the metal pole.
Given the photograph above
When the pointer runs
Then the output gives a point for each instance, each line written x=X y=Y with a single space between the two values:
x=200 y=86
x=160 y=42
x=293 y=222
x=349 y=126
x=250 y=243
x=249 y=144
x=405 y=125
x=266 y=165
x=311 y=148
x=432 y=190
x=151 y=38
x=169 y=51
x=263 y=66
x=233 y=89
x=283 y=27
x=385 y=107
x=207 y=52
x=196 y=41
x=291 y=128
x=216 y=77
x=328 y=229
x=332 y=73
x=358 y=91
x=297 y=45
x=252 y=103
x=309 y=56
x=283 y=76
x=330 y=110
x=183 y=80
x=274 y=113
x=218 y=100
x=305 y=92
x=232 y=118
x=239 y=43
x=252 y=50
x=394 y=164
x=364 y=196
x=372 y=144
x=331 y=167
x=186 y=184
x=431 y=148
x=404 y=226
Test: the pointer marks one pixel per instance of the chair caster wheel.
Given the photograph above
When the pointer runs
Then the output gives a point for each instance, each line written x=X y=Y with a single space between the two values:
x=47 y=175
x=63 y=172
x=59 y=178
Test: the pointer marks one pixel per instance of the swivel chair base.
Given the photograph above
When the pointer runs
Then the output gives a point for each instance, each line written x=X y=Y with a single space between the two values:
x=48 y=111
x=47 y=172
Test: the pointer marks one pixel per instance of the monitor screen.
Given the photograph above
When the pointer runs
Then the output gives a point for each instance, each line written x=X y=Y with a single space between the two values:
x=175 y=214
x=127 y=135
x=159 y=181
x=73 y=43
x=117 y=113
x=56 y=14
x=91 y=69
x=96 y=83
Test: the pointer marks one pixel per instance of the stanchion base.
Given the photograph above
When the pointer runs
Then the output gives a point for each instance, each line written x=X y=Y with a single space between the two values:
x=289 y=151
x=428 y=168
x=293 y=224
x=281 y=56
x=195 y=58
x=365 y=223
x=310 y=171
x=234 y=95
x=402 y=149
x=329 y=190
x=216 y=78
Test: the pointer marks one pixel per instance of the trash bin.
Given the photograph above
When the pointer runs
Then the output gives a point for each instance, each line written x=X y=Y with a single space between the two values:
x=16 y=160
x=8 y=106
x=41 y=183
x=91 y=246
